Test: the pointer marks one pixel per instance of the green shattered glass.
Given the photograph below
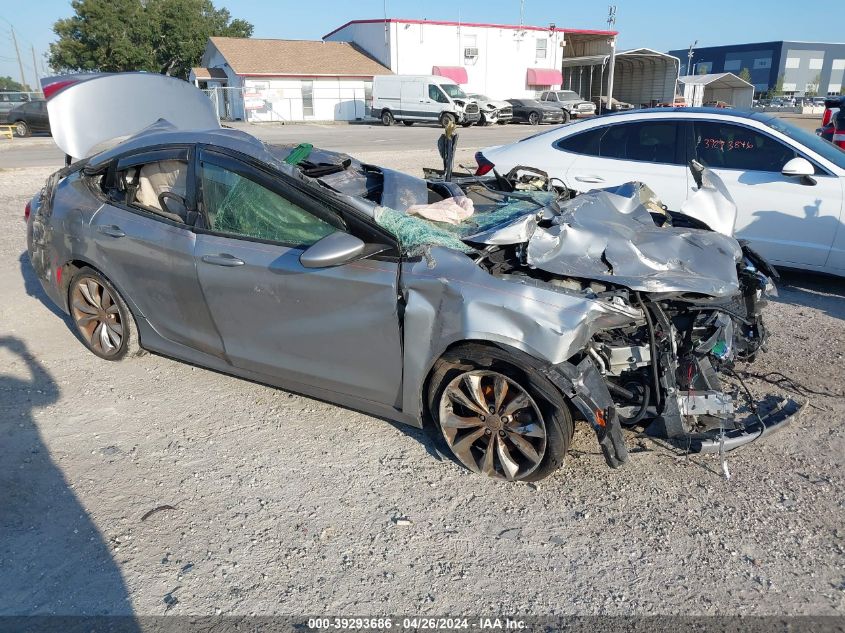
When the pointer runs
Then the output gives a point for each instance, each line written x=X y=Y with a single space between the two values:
x=416 y=233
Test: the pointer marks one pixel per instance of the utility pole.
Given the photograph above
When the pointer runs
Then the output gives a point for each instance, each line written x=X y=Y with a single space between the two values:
x=18 y=53
x=37 y=86
x=690 y=55
x=611 y=22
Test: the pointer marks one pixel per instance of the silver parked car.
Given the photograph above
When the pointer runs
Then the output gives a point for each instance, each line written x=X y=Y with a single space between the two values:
x=495 y=310
x=570 y=102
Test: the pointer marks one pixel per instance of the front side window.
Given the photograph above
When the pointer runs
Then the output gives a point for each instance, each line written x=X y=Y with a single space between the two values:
x=727 y=146
x=645 y=141
x=238 y=206
x=542 y=43
x=435 y=94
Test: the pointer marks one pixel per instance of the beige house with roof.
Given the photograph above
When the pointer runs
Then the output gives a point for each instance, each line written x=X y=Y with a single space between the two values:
x=261 y=80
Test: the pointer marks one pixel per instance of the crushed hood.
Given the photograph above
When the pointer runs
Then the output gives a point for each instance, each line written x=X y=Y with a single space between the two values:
x=87 y=113
x=611 y=236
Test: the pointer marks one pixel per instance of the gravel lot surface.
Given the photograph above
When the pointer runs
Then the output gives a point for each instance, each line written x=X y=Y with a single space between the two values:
x=150 y=486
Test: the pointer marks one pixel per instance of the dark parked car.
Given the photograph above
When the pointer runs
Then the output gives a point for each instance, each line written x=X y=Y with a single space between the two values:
x=29 y=117
x=309 y=270
x=534 y=112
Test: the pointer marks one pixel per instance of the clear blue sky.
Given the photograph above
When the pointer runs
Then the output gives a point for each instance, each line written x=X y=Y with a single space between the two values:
x=658 y=25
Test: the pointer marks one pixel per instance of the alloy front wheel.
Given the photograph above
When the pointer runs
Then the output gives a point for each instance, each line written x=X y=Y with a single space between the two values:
x=492 y=425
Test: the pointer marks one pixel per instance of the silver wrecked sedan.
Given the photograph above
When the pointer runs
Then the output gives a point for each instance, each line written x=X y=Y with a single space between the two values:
x=495 y=311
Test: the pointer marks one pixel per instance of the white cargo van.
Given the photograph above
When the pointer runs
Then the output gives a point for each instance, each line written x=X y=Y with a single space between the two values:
x=411 y=98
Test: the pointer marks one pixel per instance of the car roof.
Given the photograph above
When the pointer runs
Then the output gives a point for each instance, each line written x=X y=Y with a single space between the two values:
x=744 y=114
x=162 y=133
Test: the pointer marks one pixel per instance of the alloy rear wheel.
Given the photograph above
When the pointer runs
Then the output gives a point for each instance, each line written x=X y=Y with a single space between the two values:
x=102 y=319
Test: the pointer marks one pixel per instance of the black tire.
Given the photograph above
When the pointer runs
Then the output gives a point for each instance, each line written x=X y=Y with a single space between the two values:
x=566 y=116
x=446 y=118
x=482 y=122
x=119 y=338
x=534 y=118
x=408 y=123
x=472 y=359
x=387 y=118
x=22 y=129
x=467 y=123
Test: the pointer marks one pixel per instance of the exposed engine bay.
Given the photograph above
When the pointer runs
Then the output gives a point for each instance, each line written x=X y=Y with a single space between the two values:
x=699 y=293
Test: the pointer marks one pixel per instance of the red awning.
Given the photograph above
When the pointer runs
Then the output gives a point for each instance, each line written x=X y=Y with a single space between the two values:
x=458 y=74
x=544 y=77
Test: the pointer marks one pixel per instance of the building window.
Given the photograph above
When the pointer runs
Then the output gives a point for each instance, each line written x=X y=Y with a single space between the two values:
x=368 y=98
x=732 y=64
x=816 y=63
x=838 y=64
x=793 y=62
x=307 y=98
x=542 y=43
x=762 y=62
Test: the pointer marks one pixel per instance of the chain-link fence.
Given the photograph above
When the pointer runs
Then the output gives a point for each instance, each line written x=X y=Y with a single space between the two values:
x=285 y=105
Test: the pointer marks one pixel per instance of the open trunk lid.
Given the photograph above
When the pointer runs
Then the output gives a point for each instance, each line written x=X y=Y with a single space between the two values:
x=89 y=110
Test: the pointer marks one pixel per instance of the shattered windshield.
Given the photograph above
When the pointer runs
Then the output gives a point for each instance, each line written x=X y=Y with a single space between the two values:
x=491 y=210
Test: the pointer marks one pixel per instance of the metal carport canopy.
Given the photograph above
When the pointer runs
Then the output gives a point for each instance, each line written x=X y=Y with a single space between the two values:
x=642 y=77
x=718 y=87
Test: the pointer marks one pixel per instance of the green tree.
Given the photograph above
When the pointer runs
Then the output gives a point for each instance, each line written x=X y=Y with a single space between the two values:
x=745 y=75
x=813 y=87
x=9 y=84
x=777 y=89
x=162 y=36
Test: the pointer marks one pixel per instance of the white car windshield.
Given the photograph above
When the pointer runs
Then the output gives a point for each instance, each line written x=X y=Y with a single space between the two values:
x=453 y=91
x=567 y=95
x=823 y=148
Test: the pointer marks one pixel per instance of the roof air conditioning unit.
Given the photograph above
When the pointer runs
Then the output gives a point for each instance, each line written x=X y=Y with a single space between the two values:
x=471 y=52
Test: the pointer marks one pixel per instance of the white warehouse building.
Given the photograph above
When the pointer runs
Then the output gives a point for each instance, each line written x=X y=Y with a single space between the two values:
x=499 y=60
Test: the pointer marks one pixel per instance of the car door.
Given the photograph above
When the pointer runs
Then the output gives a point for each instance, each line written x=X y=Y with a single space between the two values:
x=790 y=221
x=649 y=151
x=148 y=252
x=436 y=103
x=334 y=328
x=414 y=101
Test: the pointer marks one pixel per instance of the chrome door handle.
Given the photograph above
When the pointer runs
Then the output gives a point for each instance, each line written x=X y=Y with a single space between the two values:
x=111 y=230
x=589 y=178
x=223 y=259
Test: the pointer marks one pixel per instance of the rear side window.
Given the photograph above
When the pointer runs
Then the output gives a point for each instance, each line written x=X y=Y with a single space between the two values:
x=645 y=141
x=728 y=146
x=142 y=186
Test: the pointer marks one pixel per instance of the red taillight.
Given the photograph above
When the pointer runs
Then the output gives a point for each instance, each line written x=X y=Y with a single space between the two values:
x=828 y=113
x=53 y=88
x=26 y=211
x=484 y=165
